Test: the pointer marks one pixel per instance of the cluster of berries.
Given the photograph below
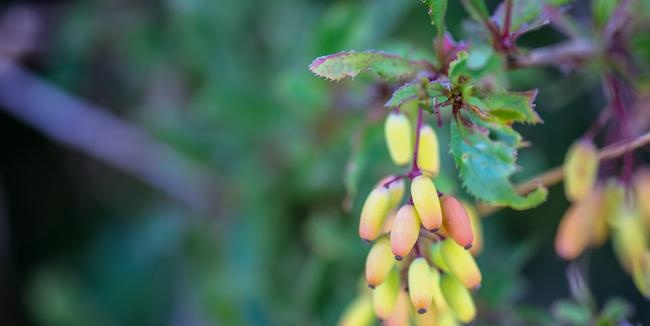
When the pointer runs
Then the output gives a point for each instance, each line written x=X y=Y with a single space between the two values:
x=600 y=208
x=421 y=266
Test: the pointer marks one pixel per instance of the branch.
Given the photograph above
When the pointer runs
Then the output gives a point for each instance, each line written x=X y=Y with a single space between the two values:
x=92 y=130
x=562 y=54
x=555 y=175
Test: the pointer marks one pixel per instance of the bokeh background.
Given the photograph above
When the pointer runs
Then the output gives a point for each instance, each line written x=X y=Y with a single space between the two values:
x=173 y=162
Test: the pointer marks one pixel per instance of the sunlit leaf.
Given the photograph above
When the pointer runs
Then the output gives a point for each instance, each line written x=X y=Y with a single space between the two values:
x=349 y=64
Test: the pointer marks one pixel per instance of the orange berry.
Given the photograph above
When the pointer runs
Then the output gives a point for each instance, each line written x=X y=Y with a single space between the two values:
x=405 y=231
x=456 y=221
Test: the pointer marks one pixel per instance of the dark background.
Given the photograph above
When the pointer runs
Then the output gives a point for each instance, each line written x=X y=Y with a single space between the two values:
x=225 y=85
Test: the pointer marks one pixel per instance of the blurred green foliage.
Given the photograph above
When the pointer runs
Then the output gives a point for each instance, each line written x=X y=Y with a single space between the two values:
x=226 y=83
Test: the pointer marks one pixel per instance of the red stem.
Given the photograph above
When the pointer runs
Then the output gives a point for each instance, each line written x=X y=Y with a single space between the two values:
x=414 y=167
x=508 y=19
x=624 y=131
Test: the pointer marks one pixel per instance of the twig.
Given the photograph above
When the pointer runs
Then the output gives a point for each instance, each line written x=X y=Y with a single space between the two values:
x=92 y=130
x=556 y=55
x=555 y=175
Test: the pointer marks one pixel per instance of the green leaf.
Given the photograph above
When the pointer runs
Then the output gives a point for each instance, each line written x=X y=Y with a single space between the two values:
x=614 y=311
x=602 y=10
x=480 y=63
x=402 y=95
x=349 y=64
x=571 y=313
x=477 y=9
x=509 y=106
x=410 y=92
x=485 y=155
x=437 y=10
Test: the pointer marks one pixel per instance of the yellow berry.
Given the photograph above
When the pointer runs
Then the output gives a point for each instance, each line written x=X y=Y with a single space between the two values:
x=429 y=318
x=427 y=204
x=395 y=188
x=641 y=274
x=642 y=193
x=379 y=262
x=398 y=138
x=436 y=256
x=384 y=297
x=458 y=298
x=358 y=313
x=456 y=221
x=600 y=224
x=629 y=238
x=447 y=320
x=428 y=151
x=580 y=169
x=400 y=315
x=438 y=299
x=461 y=264
x=420 y=284
x=405 y=231
x=373 y=213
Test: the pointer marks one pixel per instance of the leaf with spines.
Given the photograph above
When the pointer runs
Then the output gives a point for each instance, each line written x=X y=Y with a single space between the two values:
x=350 y=63
x=508 y=106
x=485 y=154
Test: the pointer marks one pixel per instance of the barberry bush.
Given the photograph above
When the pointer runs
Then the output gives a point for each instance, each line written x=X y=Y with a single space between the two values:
x=421 y=265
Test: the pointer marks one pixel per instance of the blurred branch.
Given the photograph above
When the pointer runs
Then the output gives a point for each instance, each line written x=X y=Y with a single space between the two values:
x=555 y=175
x=562 y=55
x=90 y=129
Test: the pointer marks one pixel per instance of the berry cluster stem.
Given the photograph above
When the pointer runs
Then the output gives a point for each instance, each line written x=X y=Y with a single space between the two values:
x=415 y=169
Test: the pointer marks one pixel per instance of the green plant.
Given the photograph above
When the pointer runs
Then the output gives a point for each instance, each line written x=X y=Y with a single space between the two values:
x=465 y=85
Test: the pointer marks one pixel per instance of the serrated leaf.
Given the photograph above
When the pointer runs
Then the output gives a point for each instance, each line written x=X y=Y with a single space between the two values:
x=485 y=155
x=509 y=106
x=349 y=64
x=437 y=10
x=474 y=66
